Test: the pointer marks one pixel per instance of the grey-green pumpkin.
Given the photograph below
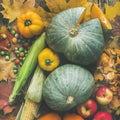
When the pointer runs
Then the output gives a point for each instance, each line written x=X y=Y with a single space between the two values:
x=68 y=86
x=81 y=44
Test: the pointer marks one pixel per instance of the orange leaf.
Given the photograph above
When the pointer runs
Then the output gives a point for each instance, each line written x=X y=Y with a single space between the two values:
x=96 y=12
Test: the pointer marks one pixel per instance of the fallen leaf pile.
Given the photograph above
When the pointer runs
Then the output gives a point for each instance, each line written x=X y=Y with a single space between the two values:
x=116 y=26
x=108 y=73
x=108 y=69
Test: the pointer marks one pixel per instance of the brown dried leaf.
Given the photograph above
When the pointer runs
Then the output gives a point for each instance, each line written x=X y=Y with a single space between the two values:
x=117 y=51
x=6 y=70
x=8 y=117
x=5 y=91
x=115 y=103
x=109 y=66
x=108 y=69
x=104 y=59
x=110 y=75
x=99 y=76
x=116 y=26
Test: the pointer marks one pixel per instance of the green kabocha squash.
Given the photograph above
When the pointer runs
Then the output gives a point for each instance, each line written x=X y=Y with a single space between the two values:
x=80 y=43
x=67 y=86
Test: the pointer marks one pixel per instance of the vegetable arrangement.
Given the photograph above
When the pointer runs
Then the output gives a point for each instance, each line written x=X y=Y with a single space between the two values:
x=28 y=66
x=66 y=86
x=33 y=96
x=77 y=42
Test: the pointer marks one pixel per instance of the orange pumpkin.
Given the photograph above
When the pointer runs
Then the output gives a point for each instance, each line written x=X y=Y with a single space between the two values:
x=72 y=116
x=50 y=116
x=30 y=24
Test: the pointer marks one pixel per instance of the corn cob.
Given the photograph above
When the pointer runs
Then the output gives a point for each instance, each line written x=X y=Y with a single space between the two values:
x=28 y=67
x=30 y=110
x=33 y=96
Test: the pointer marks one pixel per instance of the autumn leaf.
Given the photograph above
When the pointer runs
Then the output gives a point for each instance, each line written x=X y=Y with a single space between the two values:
x=107 y=72
x=12 y=10
x=116 y=26
x=55 y=7
x=5 y=91
x=6 y=70
x=112 y=11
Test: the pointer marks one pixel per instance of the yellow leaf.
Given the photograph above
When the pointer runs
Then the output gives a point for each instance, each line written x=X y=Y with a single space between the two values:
x=76 y=3
x=112 y=11
x=56 y=6
x=45 y=16
x=12 y=10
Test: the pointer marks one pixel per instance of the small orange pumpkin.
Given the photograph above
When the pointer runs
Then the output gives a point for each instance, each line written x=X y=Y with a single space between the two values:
x=30 y=24
x=50 y=116
x=72 y=116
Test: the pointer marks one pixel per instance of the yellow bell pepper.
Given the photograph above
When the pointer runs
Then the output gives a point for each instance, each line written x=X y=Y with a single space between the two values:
x=48 y=59
x=30 y=24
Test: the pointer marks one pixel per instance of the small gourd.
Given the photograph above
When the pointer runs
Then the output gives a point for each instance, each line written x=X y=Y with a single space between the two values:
x=81 y=43
x=48 y=59
x=67 y=86
x=30 y=24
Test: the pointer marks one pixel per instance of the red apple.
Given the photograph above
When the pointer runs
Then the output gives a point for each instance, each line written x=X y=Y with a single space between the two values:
x=104 y=95
x=102 y=116
x=87 y=109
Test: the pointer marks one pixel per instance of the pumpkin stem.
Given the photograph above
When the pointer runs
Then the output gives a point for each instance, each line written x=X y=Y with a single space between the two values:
x=70 y=99
x=27 y=22
x=73 y=32
x=48 y=62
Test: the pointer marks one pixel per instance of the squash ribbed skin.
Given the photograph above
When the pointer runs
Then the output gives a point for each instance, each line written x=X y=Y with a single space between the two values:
x=82 y=48
x=67 y=81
